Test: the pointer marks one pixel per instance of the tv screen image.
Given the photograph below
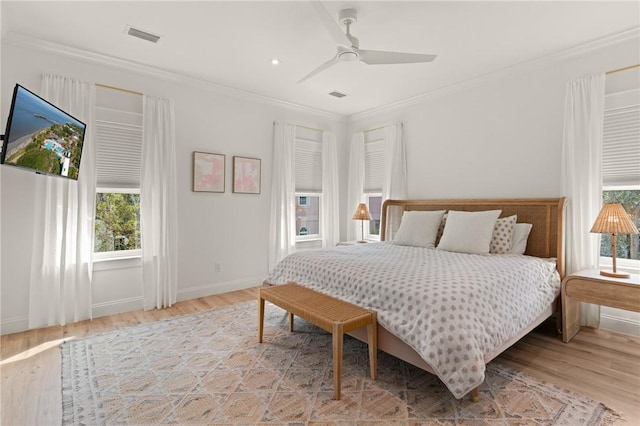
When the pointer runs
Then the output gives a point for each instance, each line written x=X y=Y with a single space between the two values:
x=41 y=137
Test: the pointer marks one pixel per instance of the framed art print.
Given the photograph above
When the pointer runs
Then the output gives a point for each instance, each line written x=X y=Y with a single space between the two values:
x=208 y=172
x=246 y=175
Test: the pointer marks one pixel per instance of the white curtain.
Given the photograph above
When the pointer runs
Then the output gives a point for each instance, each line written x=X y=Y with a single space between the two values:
x=158 y=204
x=282 y=229
x=395 y=184
x=61 y=260
x=355 y=190
x=330 y=191
x=582 y=177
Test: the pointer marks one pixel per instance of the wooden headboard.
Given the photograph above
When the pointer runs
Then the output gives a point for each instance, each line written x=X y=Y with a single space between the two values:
x=545 y=214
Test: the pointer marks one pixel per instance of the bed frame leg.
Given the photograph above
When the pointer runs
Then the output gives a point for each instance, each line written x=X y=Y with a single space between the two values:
x=475 y=395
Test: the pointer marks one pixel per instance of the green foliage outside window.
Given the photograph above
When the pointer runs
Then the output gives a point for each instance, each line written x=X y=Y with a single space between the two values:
x=117 y=222
x=627 y=246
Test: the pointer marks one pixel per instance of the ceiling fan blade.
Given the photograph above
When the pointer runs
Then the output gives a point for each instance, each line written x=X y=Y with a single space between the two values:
x=377 y=57
x=336 y=32
x=321 y=68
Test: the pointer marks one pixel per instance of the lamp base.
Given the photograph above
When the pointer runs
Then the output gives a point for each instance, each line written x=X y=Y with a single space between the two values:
x=614 y=274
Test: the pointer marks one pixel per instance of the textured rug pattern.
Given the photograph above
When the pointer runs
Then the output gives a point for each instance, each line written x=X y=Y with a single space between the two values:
x=208 y=368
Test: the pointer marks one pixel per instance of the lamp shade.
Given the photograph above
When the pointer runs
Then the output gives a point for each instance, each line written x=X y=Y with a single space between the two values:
x=612 y=219
x=362 y=213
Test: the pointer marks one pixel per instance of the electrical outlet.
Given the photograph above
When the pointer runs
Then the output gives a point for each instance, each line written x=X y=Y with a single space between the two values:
x=216 y=267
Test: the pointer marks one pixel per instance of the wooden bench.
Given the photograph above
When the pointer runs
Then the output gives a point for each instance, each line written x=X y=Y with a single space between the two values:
x=331 y=314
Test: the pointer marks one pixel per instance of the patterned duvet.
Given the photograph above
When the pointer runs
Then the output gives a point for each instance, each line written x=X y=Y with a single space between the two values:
x=452 y=308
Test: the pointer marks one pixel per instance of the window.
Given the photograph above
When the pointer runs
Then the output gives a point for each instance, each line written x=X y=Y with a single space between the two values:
x=308 y=215
x=373 y=179
x=621 y=172
x=118 y=159
x=374 y=204
x=627 y=246
x=117 y=225
x=308 y=184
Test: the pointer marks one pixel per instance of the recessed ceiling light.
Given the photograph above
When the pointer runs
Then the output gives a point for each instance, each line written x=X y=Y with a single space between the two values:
x=337 y=94
x=275 y=61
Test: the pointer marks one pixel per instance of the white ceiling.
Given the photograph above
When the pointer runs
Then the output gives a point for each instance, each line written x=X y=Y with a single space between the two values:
x=232 y=43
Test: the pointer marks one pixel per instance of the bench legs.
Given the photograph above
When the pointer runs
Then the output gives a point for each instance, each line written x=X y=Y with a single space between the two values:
x=372 y=334
x=260 y=318
x=338 y=341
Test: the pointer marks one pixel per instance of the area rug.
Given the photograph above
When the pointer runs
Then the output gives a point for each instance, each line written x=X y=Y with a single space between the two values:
x=208 y=368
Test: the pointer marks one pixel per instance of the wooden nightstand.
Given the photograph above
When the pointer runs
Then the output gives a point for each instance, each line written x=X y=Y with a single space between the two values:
x=350 y=243
x=591 y=287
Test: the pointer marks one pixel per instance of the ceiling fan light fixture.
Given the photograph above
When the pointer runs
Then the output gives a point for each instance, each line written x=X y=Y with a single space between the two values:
x=348 y=56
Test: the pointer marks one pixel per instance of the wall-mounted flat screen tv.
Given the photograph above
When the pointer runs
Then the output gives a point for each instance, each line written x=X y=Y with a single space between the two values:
x=41 y=137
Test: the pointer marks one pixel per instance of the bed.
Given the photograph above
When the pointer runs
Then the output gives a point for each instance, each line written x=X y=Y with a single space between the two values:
x=449 y=312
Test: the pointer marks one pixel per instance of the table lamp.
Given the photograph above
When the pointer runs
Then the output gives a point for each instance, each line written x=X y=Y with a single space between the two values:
x=613 y=220
x=362 y=214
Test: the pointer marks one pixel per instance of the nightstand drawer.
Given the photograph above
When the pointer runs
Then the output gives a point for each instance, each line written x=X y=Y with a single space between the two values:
x=616 y=295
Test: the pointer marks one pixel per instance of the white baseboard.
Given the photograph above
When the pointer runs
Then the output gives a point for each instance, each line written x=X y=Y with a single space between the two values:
x=116 y=306
x=620 y=324
x=217 y=288
x=18 y=324
x=137 y=303
x=14 y=325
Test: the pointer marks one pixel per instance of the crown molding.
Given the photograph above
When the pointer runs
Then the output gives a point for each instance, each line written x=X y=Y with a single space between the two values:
x=534 y=64
x=20 y=40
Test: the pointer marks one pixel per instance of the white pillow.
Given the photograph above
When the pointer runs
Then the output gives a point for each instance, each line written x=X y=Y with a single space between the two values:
x=520 y=235
x=503 y=235
x=418 y=228
x=469 y=232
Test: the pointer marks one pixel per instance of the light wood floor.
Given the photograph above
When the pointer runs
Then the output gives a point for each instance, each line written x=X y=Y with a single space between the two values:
x=599 y=364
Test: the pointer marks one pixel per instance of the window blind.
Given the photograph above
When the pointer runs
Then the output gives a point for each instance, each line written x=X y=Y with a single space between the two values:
x=374 y=160
x=118 y=135
x=119 y=154
x=308 y=161
x=621 y=146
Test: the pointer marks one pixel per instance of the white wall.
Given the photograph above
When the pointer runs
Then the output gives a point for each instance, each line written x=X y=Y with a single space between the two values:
x=226 y=229
x=500 y=136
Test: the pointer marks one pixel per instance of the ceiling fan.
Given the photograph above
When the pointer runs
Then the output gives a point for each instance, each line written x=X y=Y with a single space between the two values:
x=349 y=46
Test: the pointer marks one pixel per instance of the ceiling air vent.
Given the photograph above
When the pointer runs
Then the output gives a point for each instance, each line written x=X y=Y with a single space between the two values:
x=144 y=35
x=337 y=94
